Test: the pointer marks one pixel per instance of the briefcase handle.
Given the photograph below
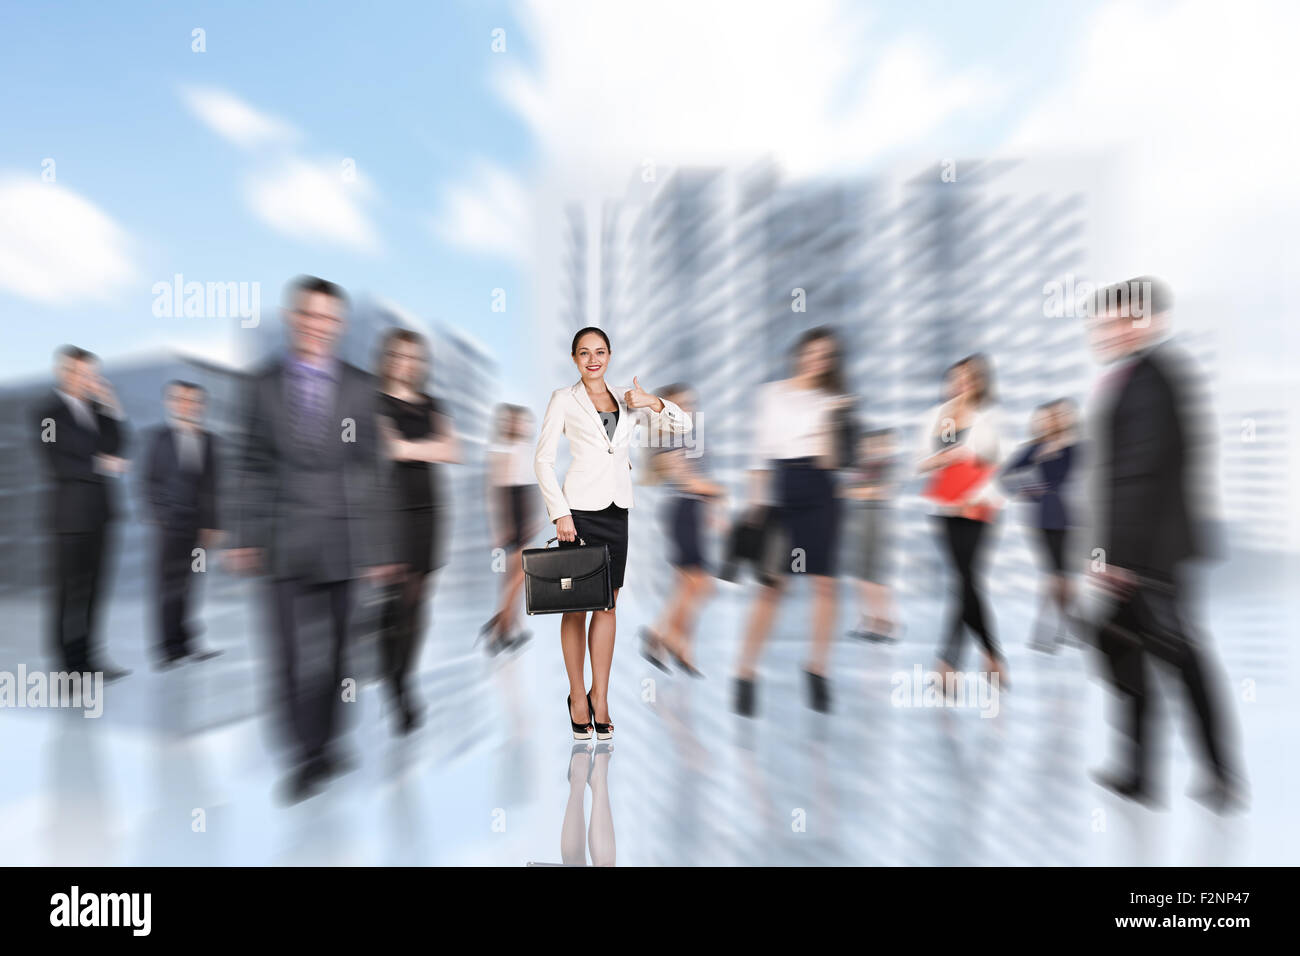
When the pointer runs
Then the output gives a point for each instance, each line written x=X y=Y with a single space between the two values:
x=548 y=543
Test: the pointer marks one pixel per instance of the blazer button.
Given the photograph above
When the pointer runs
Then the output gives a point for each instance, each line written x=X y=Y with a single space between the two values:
x=611 y=451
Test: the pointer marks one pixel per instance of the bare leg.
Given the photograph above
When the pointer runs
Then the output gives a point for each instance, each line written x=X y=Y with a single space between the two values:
x=573 y=848
x=600 y=643
x=700 y=585
x=864 y=601
x=881 y=601
x=573 y=626
x=760 y=625
x=600 y=834
x=823 y=622
x=675 y=611
x=514 y=585
x=691 y=587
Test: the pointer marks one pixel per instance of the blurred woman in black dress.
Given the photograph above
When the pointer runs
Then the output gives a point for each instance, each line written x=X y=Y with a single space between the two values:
x=419 y=436
x=512 y=504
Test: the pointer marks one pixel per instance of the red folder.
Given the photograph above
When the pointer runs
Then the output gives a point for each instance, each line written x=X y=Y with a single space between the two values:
x=952 y=484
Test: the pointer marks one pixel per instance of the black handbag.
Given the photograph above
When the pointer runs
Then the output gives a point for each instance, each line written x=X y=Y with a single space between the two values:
x=747 y=544
x=844 y=427
x=558 y=580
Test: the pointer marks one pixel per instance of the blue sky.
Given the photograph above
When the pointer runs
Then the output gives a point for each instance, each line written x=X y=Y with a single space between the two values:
x=403 y=94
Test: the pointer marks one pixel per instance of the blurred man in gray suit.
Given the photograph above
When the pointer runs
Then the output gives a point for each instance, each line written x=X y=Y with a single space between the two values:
x=312 y=517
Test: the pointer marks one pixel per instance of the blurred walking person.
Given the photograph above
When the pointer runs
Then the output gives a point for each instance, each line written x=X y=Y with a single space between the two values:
x=1149 y=455
x=869 y=490
x=960 y=451
x=599 y=422
x=82 y=432
x=685 y=512
x=180 y=496
x=512 y=504
x=798 y=446
x=313 y=513
x=1038 y=473
x=419 y=438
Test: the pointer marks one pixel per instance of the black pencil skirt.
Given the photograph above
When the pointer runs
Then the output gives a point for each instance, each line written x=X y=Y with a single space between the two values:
x=809 y=514
x=518 y=506
x=683 y=516
x=609 y=527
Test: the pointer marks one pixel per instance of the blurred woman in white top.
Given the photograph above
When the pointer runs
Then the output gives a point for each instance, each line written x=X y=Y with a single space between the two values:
x=795 y=458
x=512 y=507
x=962 y=431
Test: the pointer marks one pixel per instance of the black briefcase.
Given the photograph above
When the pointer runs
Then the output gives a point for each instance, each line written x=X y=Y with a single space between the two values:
x=572 y=578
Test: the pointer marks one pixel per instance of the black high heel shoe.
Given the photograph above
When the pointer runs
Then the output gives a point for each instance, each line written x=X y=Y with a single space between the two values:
x=580 y=731
x=819 y=692
x=746 y=697
x=496 y=641
x=649 y=642
x=603 y=731
x=689 y=668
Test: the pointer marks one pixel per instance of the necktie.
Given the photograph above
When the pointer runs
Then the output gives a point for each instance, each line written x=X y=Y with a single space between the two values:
x=312 y=388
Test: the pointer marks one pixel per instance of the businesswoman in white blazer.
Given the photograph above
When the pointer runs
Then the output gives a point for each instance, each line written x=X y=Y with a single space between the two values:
x=593 y=503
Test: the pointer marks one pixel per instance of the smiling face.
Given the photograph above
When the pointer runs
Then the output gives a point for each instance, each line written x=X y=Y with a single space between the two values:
x=592 y=357
x=315 y=323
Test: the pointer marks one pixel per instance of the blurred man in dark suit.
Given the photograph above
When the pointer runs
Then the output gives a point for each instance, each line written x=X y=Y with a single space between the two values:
x=180 y=492
x=82 y=434
x=313 y=514
x=1149 y=457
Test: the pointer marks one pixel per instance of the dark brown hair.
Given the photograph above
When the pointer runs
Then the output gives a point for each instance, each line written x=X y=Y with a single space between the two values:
x=833 y=378
x=577 y=337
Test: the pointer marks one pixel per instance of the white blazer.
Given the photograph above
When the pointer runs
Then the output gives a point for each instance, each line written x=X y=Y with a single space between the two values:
x=982 y=438
x=601 y=472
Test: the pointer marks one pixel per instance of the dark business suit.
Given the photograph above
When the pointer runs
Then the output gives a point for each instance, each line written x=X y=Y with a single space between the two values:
x=313 y=496
x=1149 y=531
x=79 y=509
x=181 y=497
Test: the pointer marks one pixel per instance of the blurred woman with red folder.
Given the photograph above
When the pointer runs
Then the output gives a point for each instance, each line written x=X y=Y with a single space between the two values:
x=960 y=453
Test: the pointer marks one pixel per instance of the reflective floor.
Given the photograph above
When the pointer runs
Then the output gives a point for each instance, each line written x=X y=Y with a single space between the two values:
x=179 y=769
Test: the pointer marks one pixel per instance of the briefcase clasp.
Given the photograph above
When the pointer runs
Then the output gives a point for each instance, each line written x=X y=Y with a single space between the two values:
x=566 y=584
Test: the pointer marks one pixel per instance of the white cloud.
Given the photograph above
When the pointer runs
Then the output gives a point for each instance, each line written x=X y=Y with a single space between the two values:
x=310 y=199
x=1192 y=107
x=234 y=120
x=1197 y=108
x=488 y=213
x=313 y=200
x=58 y=247
x=685 y=81
x=695 y=81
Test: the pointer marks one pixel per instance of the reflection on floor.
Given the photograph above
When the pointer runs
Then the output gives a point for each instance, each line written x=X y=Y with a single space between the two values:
x=178 y=770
